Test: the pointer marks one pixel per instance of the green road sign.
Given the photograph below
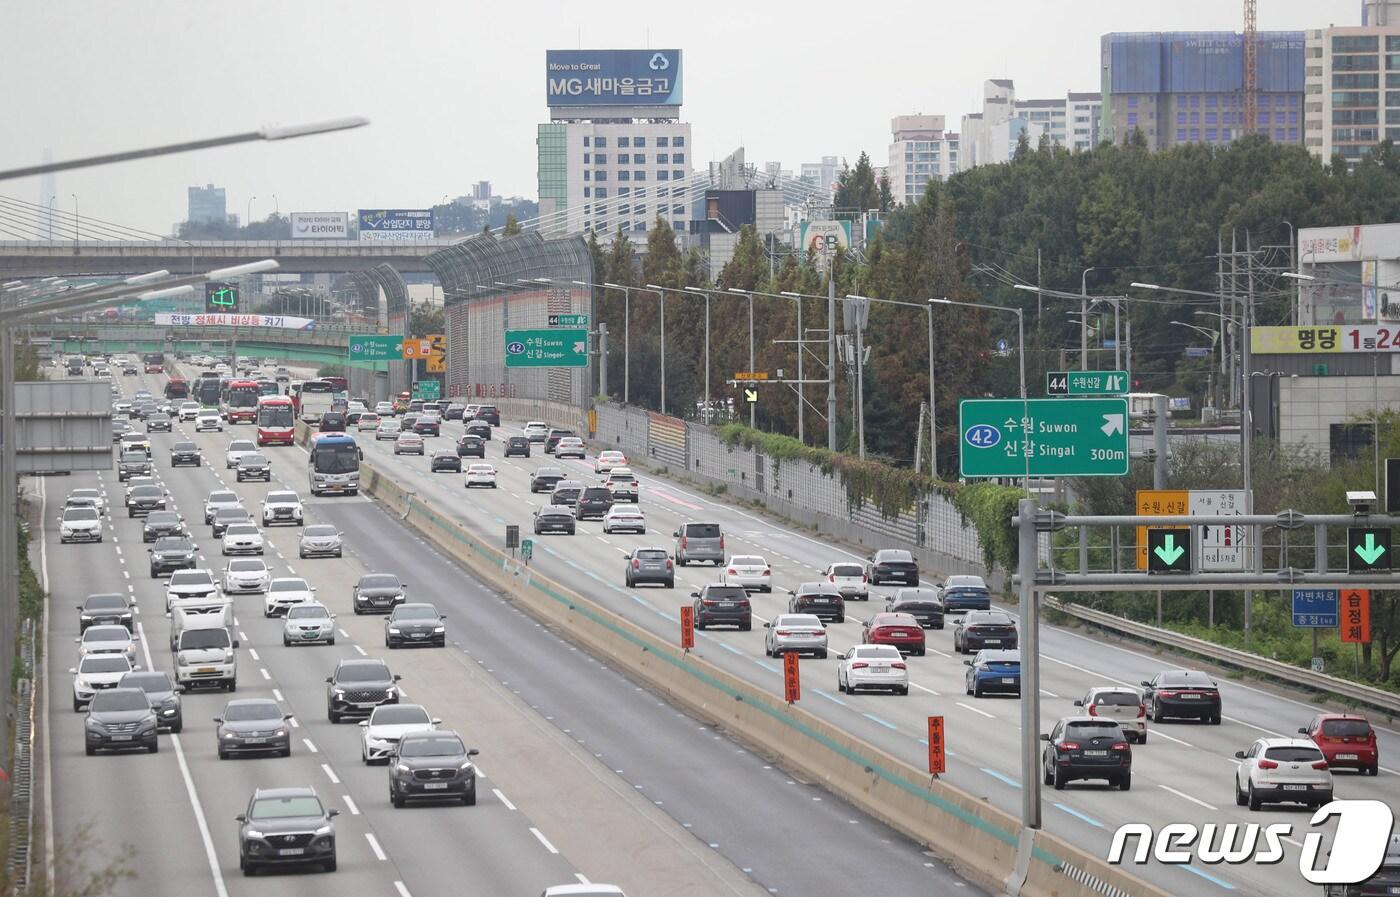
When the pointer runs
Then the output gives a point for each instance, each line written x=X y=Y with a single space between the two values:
x=1086 y=383
x=1368 y=548
x=376 y=348
x=568 y=320
x=546 y=348
x=1169 y=549
x=1044 y=438
x=427 y=390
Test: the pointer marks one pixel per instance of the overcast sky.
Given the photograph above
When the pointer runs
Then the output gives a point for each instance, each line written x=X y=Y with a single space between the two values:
x=455 y=88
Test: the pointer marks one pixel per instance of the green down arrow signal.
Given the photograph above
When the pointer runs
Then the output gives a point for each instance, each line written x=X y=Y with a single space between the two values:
x=1170 y=552
x=1371 y=551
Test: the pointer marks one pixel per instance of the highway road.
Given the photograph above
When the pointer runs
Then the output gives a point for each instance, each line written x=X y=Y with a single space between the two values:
x=685 y=810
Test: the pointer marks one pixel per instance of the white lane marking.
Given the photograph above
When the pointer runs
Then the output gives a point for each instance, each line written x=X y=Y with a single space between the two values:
x=582 y=879
x=330 y=773
x=1185 y=796
x=277 y=694
x=1160 y=734
x=343 y=633
x=253 y=652
x=350 y=803
x=543 y=840
x=1254 y=727
x=374 y=846
x=974 y=709
x=362 y=651
x=403 y=891
x=923 y=688
x=503 y=799
x=265 y=674
x=309 y=746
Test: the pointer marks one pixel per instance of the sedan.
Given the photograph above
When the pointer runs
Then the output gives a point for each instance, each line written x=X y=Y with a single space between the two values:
x=164 y=697
x=286 y=592
x=387 y=724
x=253 y=726
x=368 y=420
x=893 y=565
x=993 y=670
x=158 y=425
x=415 y=624
x=900 y=630
x=1282 y=770
x=1182 y=693
x=389 y=428
x=1087 y=748
x=750 y=571
x=384 y=408
x=544 y=479
x=320 y=540
x=554 y=519
x=380 y=592
x=624 y=519
x=226 y=517
x=104 y=610
x=481 y=475
x=219 y=500
x=606 y=461
x=446 y=459
x=517 y=446
x=307 y=624
x=818 y=598
x=120 y=718
x=570 y=447
x=247 y=576
x=879 y=667
x=107 y=639
x=408 y=443
x=237 y=449
x=923 y=604
x=980 y=629
x=795 y=634
x=254 y=467
x=242 y=538
x=433 y=765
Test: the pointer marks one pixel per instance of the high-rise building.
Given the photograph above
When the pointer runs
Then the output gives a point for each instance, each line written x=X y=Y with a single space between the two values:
x=207 y=205
x=821 y=174
x=991 y=136
x=921 y=151
x=1188 y=86
x=1083 y=111
x=481 y=190
x=1352 y=85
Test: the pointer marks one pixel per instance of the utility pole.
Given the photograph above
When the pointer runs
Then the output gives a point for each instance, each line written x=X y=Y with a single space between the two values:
x=1247 y=427
x=831 y=362
x=753 y=406
x=801 y=383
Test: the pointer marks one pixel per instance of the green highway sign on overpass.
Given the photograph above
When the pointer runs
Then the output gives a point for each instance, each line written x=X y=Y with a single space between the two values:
x=1044 y=438
x=376 y=348
x=546 y=348
x=1086 y=383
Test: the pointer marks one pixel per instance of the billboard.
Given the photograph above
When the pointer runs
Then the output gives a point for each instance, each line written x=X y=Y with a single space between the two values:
x=395 y=225
x=63 y=426
x=826 y=238
x=1329 y=244
x=320 y=225
x=613 y=77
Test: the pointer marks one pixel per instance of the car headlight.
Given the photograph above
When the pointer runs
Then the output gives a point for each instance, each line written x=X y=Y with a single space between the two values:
x=394 y=630
x=279 y=733
x=401 y=768
x=466 y=766
x=253 y=833
x=440 y=629
x=391 y=691
x=228 y=654
x=148 y=723
x=93 y=724
x=339 y=693
x=326 y=829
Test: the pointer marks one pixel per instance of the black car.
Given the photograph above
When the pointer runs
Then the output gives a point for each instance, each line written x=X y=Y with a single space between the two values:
x=471 y=447
x=478 y=428
x=649 y=565
x=378 y=593
x=225 y=517
x=490 y=414
x=104 y=610
x=286 y=827
x=428 y=425
x=446 y=459
x=171 y=553
x=821 y=599
x=453 y=411
x=554 y=519
x=415 y=624
x=432 y=765
x=144 y=500
x=185 y=453
x=980 y=629
x=1087 y=747
x=253 y=726
x=162 y=523
x=1187 y=694
x=332 y=422
x=158 y=424
x=593 y=501
x=357 y=687
x=161 y=693
x=133 y=464
x=120 y=718
x=722 y=605
x=517 y=446
x=254 y=467
x=922 y=604
x=544 y=478
x=566 y=492
x=893 y=565
x=552 y=439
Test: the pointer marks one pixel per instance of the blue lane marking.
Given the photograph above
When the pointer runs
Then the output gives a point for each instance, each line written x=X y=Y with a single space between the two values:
x=829 y=696
x=875 y=719
x=1078 y=815
x=1207 y=876
x=593 y=575
x=1001 y=778
x=768 y=666
x=731 y=649
x=924 y=742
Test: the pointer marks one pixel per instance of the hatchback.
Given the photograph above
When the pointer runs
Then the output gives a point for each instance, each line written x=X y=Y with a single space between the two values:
x=795 y=634
x=1086 y=748
x=649 y=565
x=1282 y=770
x=1122 y=705
x=850 y=579
x=1346 y=740
x=993 y=670
x=900 y=630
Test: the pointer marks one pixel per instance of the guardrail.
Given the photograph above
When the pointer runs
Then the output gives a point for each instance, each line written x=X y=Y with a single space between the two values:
x=19 y=862
x=1366 y=695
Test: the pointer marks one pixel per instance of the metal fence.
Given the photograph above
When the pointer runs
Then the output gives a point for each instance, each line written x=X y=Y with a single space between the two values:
x=19 y=863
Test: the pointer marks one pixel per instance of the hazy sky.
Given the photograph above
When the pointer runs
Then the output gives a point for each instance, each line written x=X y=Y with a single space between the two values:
x=454 y=89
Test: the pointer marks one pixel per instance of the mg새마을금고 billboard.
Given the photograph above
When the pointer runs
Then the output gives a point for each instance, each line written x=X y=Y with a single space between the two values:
x=613 y=77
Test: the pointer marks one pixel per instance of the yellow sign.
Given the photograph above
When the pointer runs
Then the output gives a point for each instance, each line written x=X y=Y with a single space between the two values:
x=750 y=375
x=437 y=364
x=1295 y=340
x=1158 y=502
x=416 y=348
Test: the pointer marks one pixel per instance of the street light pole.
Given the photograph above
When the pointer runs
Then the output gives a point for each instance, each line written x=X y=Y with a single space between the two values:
x=661 y=304
x=77 y=222
x=1084 y=321
x=248 y=217
x=626 y=338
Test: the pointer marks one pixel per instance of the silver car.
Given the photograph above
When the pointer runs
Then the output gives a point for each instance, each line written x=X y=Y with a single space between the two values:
x=795 y=634
x=320 y=540
x=307 y=624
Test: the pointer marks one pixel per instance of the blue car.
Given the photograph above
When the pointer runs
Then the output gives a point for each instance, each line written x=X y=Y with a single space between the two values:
x=994 y=670
x=963 y=593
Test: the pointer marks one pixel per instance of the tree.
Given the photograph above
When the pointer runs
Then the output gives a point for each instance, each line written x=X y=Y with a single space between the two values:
x=662 y=263
x=425 y=318
x=748 y=269
x=512 y=226
x=599 y=256
x=856 y=190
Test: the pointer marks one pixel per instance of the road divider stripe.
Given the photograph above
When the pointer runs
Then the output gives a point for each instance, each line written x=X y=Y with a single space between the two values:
x=374 y=846
x=1183 y=795
x=503 y=799
x=539 y=835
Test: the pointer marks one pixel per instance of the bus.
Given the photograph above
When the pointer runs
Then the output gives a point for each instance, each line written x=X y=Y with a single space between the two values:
x=333 y=464
x=154 y=362
x=206 y=390
x=276 y=421
x=338 y=384
x=238 y=402
x=269 y=387
x=177 y=388
x=311 y=399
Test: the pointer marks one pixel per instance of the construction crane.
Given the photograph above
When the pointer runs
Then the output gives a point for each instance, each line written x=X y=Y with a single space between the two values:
x=1251 y=66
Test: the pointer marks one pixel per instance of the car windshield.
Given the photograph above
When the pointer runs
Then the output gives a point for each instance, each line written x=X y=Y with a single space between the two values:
x=432 y=746
x=1091 y=729
x=1346 y=728
x=400 y=715
x=246 y=566
x=252 y=461
x=626 y=511
x=204 y=638
x=1185 y=679
x=379 y=581
x=652 y=554
x=163 y=518
x=748 y=560
x=1291 y=754
x=549 y=472
x=241 y=445
x=281 y=498
x=798 y=620
x=701 y=530
x=290 y=585
x=847 y=570
x=231 y=514
x=362 y=672
x=285 y=808
x=145 y=491
x=892 y=556
x=106 y=602
x=183 y=447
x=726 y=593
x=307 y=613
x=252 y=710
x=878 y=652
x=91 y=493
x=320 y=532
x=989 y=618
x=1117 y=698
x=406 y=612
x=107 y=634
x=909 y=605
x=222 y=498
x=120 y=699
x=73 y=514
x=150 y=683
x=241 y=529
x=190 y=578
x=104 y=663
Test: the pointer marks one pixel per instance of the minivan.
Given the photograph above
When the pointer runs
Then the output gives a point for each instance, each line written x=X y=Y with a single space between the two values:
x=699 y=542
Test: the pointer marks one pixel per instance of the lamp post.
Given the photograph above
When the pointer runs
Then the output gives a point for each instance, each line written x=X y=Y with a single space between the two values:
x=276 y=206
x=626 y=335
x=1214 y=336
x=77 y=222
x=1084 y=321
x=661 y=304
x=749 y=293
x=248 y=217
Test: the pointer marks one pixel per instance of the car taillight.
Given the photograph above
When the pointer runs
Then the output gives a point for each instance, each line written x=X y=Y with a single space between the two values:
x=709 y=602
x=831 y=577
x=744 y=603
x=784 y=632
x=864 y=578
x=636 y=564
x=668 y=564
x=1093 y=709
x=1121 y=746
x=685 y=541
x=721 y=542
x=1267 y=764
x=1320 y=764
x=900 y=666
x=732 y=572
x=1142 y=711
x=1167 y=694
x=767 y=572
x=859 y=665
x=1069 y=746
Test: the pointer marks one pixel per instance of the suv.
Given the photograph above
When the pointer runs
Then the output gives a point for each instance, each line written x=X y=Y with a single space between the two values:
x=281 y=507
x=120 y=718
x=1182 y=693
x=284 y=826
x=593 y=501
x=161 y=693
x=622 y=482
x=206 y=656
x=145 y=499
x=332 y=422
x=517 y=445
x=1084 y=747
x=226 y=517
x=357 y=687
x=649 y=565
x=536 y=430
x=162 y=523
x=1282 y=770
x=489 y=413
x=378 y=592
x=470 y=446
x=218 y=500
x=699 y=542
x=544 y=479
x=133 y=463
x=236 y=450
x=434 y=765
x=551 y=440
x=721 y=605
x=821 y=599
x=254 y=467
x=182 y=453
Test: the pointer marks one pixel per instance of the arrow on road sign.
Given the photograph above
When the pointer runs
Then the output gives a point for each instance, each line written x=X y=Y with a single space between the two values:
x=751 y=396
x=578 y=347
x=1113 y=423
x=1370 y=551
x=1169 y=551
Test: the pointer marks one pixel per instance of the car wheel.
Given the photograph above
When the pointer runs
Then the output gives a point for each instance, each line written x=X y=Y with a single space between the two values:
x=1156 y=712
x=699 y=625
x=682 y=562
x=331 y=640
x=232 y=685
x=332 y=716
x=1254 y=802
x=469 y=798
x=223 y=754
x=967 y=689
x=821 y=655
x=329 y=865
x=904 y=690
x=286 y=751
x=1142 y=738
x=1240 y=799
x=840 y=686
x=670 y=583
x=1045 y=776
x=394 y=797
x=1215 y=719
x=1059 y=780
x=286 y=642
x=746 y=626
x=1373 y=769
x=177 y=728
x=1125 y=781
x=840 y=619
x=248 y=868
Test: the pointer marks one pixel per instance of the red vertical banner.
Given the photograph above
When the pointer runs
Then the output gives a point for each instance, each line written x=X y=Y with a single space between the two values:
x=792 y=678
x=1356 y=616
x=937 y=754
x=687 y=627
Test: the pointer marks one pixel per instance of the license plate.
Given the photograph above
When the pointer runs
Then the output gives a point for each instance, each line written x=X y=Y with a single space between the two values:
x=1096 y=753
x=1008 y=681
x=435 y=786
x=311 y=635
x=1295 y=787
x=255 y=741
x=726 y=604
x=291 y=851
x=1190 y=697
x=1346 y=756
x=205 y=670
x=417 y=635
x=121 y=737
x=991 y=641
x=899 y=635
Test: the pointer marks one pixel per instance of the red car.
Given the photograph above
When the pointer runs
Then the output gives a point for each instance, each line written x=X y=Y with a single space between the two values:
x=1346 y=741
x=899 y=630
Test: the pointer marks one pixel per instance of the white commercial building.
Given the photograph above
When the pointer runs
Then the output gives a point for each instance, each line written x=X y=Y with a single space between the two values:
x=1351 y=86
x=921 y=151
x=991 y=136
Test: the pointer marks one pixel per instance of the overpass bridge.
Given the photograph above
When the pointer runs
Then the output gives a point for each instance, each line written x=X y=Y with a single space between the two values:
x=69 y=258
x=326 y=345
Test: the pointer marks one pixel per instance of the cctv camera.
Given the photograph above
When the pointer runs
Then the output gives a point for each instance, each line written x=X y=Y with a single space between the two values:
x=1362 y=501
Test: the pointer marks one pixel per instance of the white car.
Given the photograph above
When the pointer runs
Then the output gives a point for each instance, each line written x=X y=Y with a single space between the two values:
x=107 y=639
x=624 y=519
x=189 y=411
x=570 y=447
x=242 y=538
x=80 y=525
x=122 y=407
x=97 y=671
x=281 y=507
x=481 y=475
x=356 y=405
x=1122 y=705
x=750 y=571
x=849 y=577
x=246 y=576
x=389 y=428
x=1282 y=770
x=98 y=501
x=208 y=420
x=369 y=420
x=217 y=501
x=536 y=430
x=383 y=408
x=380 y=734
x=237 y=449
x=308 y=623
x=194 y=584
x=407 y=443
x=606 y=461
x=872 y=666
x=623 y=484
x=285 y=592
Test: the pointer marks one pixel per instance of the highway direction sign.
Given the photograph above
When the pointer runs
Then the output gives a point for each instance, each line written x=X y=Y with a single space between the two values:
x=546 y=348
x=1222 y=547
x=751 y=396
x=568 y=320
x=1086 y=383
x=1368 y=548
x=376 y=348
x=1169 y=549
x=1044 y=437
x=427 y=390
x=1316 y=608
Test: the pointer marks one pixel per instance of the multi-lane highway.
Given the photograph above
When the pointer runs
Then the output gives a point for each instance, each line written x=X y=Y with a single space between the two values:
x=570 y=792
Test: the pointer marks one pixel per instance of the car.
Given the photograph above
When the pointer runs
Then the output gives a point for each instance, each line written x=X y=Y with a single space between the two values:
x=282 y=375
x=133 y=464
x=593 y=501
x=321 y=540
x=1121 y=704
x=108 y=638
x=368 y=420
x=649 y=565
x=624 y=518
x=516 y=446
x=218 y=500
x=893 y=565
x=993 y=670
x=81 y=501
x=119 y=429
x=478 y=428
x=308 y=622
x=246 y=576
x=1085 y=747
x=378 y=593
x=384 y=408
x=185 y=454
x=171 y=553
x=241 y=538
x=428 y=425
x=965 y=593
x=389 y=428
x=415 y=624
x=545 y=478
x=80 y=525
x=850 y=580
x=570 y=447
x=432 y=766
x=133 y=483
x=566 y=492
x=194 y=584
x=554 y=518
x=1346 y=740
x=409 y=423
x=136 y=442
x=699 y=542
x=536 y=430
x=481 y=475
x=352 y=417
x=408 y=443
x=552 y=438
x=453 y=411
x=819 y=598
x=623 y=484
x=226 y=517
x=120 y=719
x=144 y=499
x=1282 y=770
x=162 y=523
x=104 y=610
x=795 y=634
x=162 y=694
x=286 y=826
x=281 y=507
x=592 y=889
x=923 y=604
x=285 y=592
x=1189 y=694
x=387 y=723
x=158 y=424
x=188 y=412
x=95 y=673
x=607 y=460
x=446 y=460
x=332 y=422
x=877 y=667
x=254 y=467
x=98 y=501
x=122 y=407
x=208 y=419
x=470 y=446
x=253 y=726
x=751 y=571
x=489 y=414
x=357 y=686
x=979 y=629
x=900 y=630
x=717 y=604
x=237 y=449
x=130 y=370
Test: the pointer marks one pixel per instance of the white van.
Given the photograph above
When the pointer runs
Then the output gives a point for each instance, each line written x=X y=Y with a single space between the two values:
x=211 y=614
x=206 y=657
